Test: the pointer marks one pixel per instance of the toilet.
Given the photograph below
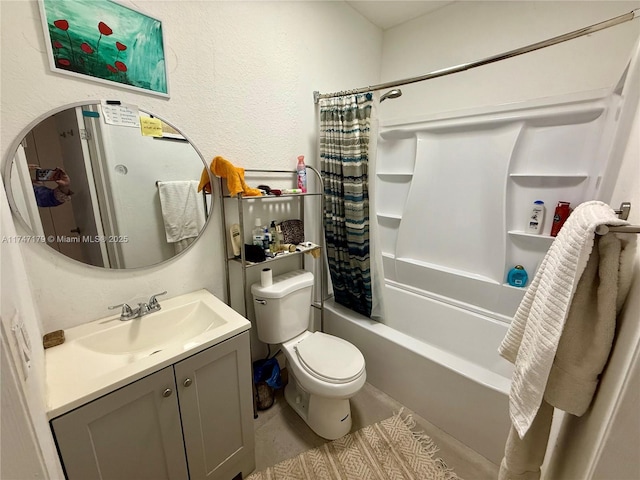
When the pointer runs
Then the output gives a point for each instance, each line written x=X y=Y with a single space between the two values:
x=324 y=371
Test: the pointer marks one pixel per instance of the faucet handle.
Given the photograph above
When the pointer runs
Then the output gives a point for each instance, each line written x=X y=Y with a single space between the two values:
x=126 y=313
x=153 y=301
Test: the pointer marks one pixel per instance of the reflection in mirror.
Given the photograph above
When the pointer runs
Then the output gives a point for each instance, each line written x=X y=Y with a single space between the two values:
x=114 y=196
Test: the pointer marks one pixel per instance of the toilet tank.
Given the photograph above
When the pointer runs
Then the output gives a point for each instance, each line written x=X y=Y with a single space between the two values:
x=283 y=308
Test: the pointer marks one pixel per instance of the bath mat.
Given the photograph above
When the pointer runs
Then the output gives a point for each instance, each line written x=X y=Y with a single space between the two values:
x=388 y=450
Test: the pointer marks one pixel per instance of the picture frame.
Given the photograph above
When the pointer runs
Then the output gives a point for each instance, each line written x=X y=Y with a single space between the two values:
x=107 y=42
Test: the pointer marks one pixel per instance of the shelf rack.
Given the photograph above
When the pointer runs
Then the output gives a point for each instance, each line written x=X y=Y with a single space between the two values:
x=244 y=263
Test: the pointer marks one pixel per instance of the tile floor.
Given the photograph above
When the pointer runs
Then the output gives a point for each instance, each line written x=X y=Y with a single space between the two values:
x=280 y=434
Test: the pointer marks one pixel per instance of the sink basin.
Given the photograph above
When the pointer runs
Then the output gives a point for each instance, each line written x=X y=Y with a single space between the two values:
x=155 y=330
x=105 y=354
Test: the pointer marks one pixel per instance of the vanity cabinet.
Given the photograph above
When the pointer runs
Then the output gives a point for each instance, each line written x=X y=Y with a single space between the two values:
x=191 y=420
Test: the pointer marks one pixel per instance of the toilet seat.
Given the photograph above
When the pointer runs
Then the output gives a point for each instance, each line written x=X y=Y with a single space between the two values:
x=330 y=359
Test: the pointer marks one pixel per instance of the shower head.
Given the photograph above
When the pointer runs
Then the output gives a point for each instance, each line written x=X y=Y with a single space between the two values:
x=395 y=93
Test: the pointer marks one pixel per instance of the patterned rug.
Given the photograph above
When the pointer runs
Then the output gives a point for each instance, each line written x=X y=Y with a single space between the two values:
x=388 y=450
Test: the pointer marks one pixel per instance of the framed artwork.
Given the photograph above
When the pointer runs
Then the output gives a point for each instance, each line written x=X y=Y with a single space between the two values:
x=104 y=41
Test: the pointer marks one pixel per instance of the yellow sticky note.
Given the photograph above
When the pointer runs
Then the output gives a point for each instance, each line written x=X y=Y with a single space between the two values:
x=151 y=127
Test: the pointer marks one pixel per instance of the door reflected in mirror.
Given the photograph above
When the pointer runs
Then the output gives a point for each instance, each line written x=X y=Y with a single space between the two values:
x=107 y=193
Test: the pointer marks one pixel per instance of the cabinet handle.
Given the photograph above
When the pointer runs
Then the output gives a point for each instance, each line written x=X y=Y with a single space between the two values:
x=187 y=382
x=167 y=392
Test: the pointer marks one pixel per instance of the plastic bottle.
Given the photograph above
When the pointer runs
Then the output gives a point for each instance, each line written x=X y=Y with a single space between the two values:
x=275 y=240
x=563 y=210
x=258 y=233
x=302 y=174
x=536 y=220
x=266 y=240
x=517 y=276
x=236 y=241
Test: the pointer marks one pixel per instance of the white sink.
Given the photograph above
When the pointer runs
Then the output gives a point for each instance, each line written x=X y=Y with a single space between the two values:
x=100 y=356
x=155 y=330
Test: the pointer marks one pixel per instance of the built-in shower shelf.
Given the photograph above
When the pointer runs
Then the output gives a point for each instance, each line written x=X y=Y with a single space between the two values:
x=407 y=175
x=554 y=176
x=397 y=134
x=543 y=238
x=445 y=269
x=522 y=289
x=390 y=216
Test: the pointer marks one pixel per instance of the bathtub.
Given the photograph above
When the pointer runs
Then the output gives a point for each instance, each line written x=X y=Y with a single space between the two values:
x=437 y=359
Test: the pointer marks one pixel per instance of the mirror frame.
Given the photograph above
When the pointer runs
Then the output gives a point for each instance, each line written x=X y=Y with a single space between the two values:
x=6 y=180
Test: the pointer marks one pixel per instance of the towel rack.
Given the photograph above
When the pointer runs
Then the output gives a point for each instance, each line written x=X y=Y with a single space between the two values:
x=623 y=213
x=604 y=229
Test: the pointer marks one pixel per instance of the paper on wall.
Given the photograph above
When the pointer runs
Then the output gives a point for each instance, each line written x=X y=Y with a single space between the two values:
x=125 y=115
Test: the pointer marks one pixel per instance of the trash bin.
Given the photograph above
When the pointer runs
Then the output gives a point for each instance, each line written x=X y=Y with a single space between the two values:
x=266 y=377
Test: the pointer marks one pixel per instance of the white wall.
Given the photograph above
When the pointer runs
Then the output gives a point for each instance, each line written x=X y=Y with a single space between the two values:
x=241 y=77
x=463 y=32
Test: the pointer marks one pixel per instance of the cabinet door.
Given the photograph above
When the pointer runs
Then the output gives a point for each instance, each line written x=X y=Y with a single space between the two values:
x=133 y=433
x=214 y=388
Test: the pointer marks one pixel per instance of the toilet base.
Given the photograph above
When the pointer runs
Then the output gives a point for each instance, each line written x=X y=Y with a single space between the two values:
x=328 y=417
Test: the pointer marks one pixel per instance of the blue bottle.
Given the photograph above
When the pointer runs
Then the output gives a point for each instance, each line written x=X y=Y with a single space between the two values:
x=517 y=276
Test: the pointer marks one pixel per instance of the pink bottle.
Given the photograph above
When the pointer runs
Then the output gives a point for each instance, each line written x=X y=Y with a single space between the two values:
x=302 y=174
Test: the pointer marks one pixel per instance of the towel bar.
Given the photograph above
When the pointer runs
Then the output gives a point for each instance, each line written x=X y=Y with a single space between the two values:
x=604 y=229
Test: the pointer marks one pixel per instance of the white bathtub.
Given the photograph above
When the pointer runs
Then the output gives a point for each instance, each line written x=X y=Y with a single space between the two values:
x=439 y=360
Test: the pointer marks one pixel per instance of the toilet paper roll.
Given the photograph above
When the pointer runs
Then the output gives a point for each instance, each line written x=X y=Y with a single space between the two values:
x=266 y=277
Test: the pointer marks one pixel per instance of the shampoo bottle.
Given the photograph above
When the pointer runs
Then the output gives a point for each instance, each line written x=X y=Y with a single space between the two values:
x=517 y=276
x=536 y=220
x=302 y=174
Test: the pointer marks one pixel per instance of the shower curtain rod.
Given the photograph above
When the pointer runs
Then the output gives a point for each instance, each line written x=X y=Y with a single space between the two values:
x=494 y=58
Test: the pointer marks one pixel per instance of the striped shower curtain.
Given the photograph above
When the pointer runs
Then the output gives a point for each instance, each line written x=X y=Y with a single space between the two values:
x=345 y=125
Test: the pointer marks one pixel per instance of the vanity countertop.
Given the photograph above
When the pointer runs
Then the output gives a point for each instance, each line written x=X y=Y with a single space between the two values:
x=101 y=356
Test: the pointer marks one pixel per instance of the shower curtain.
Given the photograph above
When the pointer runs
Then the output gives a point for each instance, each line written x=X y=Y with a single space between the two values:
x=347 y=156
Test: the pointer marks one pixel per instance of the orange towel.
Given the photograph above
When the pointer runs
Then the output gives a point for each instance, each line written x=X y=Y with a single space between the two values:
x=234 y=175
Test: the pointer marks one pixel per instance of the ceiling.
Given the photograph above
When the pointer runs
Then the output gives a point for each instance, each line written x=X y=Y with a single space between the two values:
x=388 y=13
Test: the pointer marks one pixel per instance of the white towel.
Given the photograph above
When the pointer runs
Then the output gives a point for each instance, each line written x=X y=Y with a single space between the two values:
x=182 y=209
x=532 y=339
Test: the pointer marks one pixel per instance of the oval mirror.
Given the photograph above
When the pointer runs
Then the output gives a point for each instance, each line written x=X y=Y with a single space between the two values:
x=108 y=186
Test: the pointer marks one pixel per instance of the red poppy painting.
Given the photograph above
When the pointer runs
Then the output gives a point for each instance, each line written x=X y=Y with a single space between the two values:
x=105 y=41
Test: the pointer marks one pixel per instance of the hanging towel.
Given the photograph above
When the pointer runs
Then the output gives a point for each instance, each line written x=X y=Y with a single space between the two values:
x=532 y=339
x=182 y=211
x=234 y=175
x=582 y=353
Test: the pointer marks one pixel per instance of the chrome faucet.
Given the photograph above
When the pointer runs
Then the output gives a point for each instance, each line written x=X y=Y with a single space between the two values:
x=154 y=305
x=143 y=309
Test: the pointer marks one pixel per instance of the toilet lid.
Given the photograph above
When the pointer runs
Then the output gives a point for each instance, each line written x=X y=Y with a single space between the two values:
x=330 y=358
